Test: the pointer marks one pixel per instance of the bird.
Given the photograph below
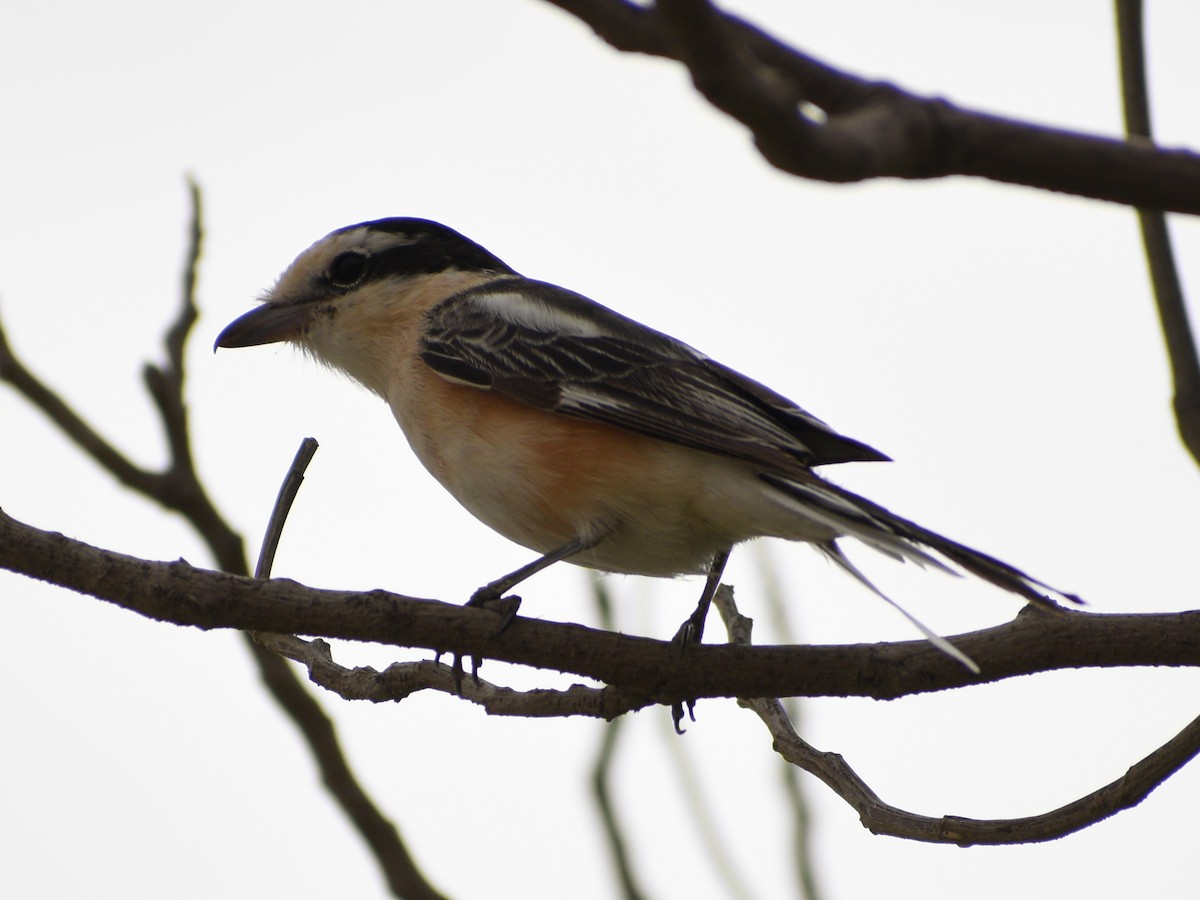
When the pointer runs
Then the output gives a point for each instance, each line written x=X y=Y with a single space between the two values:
x=578 y=432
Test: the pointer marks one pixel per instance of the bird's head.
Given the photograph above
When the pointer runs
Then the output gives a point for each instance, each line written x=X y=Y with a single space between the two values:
x=355 y=296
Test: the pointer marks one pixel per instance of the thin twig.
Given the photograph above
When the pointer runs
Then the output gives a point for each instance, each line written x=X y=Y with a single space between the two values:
x=403 y=679
x=1160 y=257
x=883 y=818
x=283 y=505
x=40 y=396
x=700 y=812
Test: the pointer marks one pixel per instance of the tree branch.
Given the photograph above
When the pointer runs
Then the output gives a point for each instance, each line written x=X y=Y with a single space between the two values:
x=638 y=671
x=178 y=487
x=873 y=129
x=1160 y=257
x=882 y=818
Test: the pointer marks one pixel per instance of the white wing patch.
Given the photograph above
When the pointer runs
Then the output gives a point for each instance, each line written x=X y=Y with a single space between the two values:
x=521 y=309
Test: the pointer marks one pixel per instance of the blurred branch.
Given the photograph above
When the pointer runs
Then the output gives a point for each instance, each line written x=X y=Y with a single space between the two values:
x=381 y=836
x=881 y=818
x=177 y=487
x=601 y=780
x=870 y=129
x=400 y=869
x=793 y=787
x=614 y=834
x=700 y=814
x=1160 y=257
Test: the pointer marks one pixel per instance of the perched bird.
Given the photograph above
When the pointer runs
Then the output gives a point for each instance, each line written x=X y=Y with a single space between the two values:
x=576 y=431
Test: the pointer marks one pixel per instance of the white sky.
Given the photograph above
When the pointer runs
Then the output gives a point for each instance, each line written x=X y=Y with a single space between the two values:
x=999 y=343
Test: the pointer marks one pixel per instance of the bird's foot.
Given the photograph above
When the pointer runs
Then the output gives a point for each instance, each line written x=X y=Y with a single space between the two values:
x=456 y=671
x=488 y=597
x=677 y=713
x=691 y=632
x=688 y=635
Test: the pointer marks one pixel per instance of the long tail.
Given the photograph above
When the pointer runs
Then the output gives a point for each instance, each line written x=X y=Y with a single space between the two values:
x=848 y=514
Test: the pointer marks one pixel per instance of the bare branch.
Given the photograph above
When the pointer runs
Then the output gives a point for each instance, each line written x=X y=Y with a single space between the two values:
x=400 y=680
x=28 y=385
x=1164 y=276
x=165 y=382
x=638 y=671
x=874 y=129
x=283 y=505
x=178 y=488
x=882 y=818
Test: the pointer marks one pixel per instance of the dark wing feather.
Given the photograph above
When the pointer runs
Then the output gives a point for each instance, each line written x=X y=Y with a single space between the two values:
x=559 y=351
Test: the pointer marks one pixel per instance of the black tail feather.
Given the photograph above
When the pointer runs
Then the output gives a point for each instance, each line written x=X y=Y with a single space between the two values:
x=882 y=529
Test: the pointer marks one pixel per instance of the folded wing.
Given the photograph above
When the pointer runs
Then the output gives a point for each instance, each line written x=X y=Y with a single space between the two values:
x=559 y=351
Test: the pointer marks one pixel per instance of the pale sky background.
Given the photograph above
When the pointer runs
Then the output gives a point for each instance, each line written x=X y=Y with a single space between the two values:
x=999 y=343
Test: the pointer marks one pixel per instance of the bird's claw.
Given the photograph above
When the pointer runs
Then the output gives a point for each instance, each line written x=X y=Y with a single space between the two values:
x=688 y=635
x=456 y=671
x=677 y=713
x=489 y=598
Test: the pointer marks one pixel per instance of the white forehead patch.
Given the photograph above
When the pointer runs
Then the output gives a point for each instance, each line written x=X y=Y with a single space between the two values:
x=298 y=276
x=362 y=238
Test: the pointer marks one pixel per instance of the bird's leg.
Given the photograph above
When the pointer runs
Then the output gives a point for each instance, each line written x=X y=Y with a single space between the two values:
x=492 y=595
x=692 y=629
x=495 y=590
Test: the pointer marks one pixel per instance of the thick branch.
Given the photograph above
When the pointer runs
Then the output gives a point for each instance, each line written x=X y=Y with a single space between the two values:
x=874 y=129
x=654 y=670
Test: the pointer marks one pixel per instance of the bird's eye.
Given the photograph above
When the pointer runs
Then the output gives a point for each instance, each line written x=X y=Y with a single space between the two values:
x=347 y=269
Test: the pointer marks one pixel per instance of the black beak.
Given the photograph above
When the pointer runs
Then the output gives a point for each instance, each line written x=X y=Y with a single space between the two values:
x=268 y=324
